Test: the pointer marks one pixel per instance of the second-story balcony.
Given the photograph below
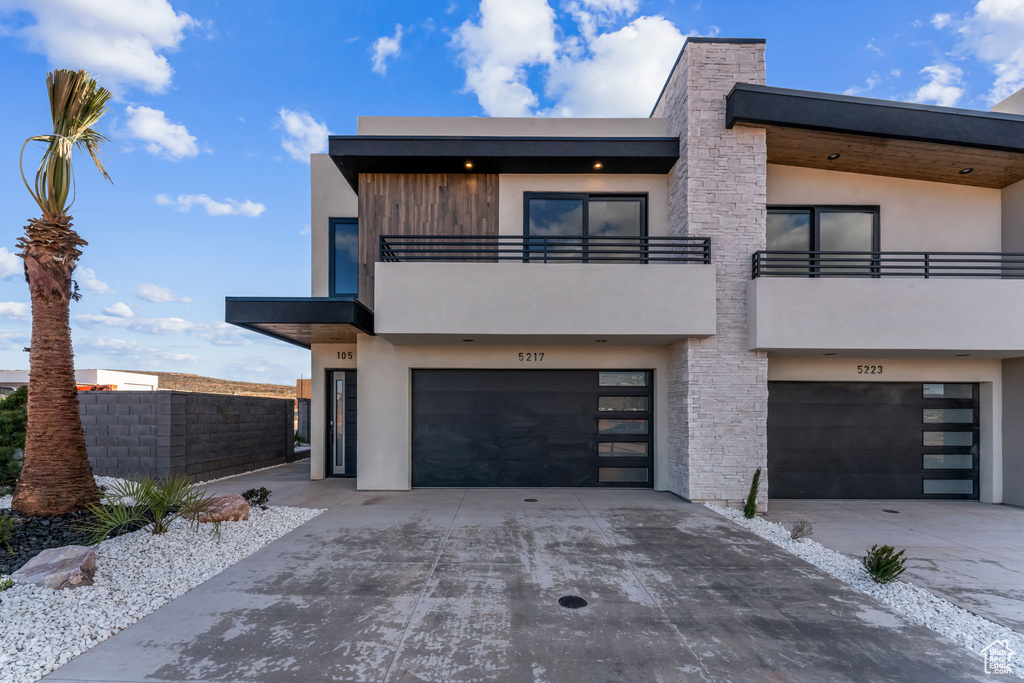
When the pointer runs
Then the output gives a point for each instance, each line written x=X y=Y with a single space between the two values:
x=545 y=290
x=877 y=302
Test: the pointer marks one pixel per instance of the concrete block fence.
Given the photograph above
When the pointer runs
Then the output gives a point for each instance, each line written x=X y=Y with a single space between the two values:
x=159 y=433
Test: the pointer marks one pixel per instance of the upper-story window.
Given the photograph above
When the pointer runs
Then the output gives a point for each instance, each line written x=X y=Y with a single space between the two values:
x=558 y=214
x=344 y=257
x=824 y=229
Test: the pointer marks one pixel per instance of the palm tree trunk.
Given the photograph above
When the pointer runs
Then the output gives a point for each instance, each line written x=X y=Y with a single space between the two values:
x=56 y=477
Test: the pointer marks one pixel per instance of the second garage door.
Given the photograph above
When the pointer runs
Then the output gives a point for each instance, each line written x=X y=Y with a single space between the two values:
x=530 y=428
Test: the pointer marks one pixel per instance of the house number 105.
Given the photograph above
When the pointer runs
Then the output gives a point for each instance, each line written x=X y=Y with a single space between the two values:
x=531 y=357
x=346 y=355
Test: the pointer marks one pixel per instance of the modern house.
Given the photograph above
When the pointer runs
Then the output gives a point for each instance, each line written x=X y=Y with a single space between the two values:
x=829 y=287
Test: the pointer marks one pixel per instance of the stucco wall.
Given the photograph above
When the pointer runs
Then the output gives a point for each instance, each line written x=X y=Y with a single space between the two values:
x=325 y=357
x=914 y=215
x=511 y=187
x=331 y=197
x=385 y=373
x=989 y=373
x=1013 y=218
x=1013 y=434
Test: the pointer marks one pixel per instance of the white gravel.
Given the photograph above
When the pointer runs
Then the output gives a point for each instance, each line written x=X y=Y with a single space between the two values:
x=41 y=628
x=966 y=628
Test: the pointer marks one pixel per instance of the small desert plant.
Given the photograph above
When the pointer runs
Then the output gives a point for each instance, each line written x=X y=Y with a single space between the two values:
x=6 y=583
x=257 y=497
x=147 y=503
x=7 y=525
x=750 y=509
x=801 y=529
x=300 y=440
x=883 y=565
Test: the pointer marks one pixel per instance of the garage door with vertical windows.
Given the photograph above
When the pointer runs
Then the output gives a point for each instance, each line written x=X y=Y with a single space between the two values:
x=512 y=428
x=873 y=440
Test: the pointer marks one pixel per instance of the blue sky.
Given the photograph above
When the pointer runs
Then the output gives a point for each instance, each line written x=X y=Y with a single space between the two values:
x=219 y=104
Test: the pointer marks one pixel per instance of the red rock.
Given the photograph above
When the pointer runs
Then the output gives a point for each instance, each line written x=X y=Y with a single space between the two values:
x=231 y=508
x=68 y=567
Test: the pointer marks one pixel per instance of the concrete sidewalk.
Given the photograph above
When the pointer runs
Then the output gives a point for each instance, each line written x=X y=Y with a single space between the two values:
x=463 y=585
x=970 y=553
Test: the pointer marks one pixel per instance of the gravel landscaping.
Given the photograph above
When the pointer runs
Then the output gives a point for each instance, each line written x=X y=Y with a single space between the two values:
x=967 y=629
x=40 y=629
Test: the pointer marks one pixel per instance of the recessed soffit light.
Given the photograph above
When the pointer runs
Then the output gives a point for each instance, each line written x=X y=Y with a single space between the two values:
x=833 y=157
x=468 y=340
x=829 y=354
x=469 y=164
x=962 y=355
x=598 y=165
x=965 y=171
x=601 y=341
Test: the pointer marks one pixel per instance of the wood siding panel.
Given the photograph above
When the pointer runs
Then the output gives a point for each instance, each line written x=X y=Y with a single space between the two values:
x=421 y=204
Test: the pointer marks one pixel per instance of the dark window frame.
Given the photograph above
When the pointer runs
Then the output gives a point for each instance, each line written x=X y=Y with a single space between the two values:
x=585 y=197
x=815 y=211
x=332 y=257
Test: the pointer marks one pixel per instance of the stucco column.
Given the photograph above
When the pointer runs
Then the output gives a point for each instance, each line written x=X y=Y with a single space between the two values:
x=718 y=389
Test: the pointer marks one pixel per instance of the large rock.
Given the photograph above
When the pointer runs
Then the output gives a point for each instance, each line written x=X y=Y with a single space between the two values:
x=68 y=567
x=231 y=508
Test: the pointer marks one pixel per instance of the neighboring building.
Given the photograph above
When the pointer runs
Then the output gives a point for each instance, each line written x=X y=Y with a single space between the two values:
x=121 y=381
x=823 y=285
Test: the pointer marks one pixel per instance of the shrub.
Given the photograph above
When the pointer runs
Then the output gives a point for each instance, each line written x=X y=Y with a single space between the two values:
x=13 y=420
x=300 y=440
x=146 y=503
x=801 y=529
x=750 y=509
x=7 y=525
x=6 y=583
x=257 y=497
x=884 y=565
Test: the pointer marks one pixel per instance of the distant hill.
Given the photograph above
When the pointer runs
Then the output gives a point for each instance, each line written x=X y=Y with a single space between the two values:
x=181 y=381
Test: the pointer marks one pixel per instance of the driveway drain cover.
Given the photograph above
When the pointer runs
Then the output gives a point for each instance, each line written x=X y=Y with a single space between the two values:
x=529 y=500
x=892 y=512
x=572 y=601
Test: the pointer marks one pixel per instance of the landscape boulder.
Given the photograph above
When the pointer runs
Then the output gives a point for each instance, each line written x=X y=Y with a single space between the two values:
x=231 y=508
x=68 y=567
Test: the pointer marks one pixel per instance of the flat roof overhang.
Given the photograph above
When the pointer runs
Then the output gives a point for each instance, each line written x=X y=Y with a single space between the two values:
x=300 y=321
x=355 y=154
x=880 y=137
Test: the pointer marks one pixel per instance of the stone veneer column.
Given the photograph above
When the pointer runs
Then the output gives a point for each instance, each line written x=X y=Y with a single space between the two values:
x=718 y=389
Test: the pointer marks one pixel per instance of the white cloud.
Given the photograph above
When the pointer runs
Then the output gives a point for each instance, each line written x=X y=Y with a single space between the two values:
x=119 y=310
x=871 y=47
x=944 y=86
x=589 y=15
x=385 y=47
x=496 y=52
x=623 y=74
x=994 y=34
x=869 y=85
x=13 y=309
x=217 y=333
x=157 y=294
x=163 y=138
x=132 y=349
x=10 y=264
x=228 y=207
x=119 y=41
x=87 y=280
x=304 y=135
x=305 y=230
x=895 y=73
x=941 y=20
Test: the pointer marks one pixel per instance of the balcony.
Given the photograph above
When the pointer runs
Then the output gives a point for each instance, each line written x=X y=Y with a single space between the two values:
x=543 y=290
x=930 y=303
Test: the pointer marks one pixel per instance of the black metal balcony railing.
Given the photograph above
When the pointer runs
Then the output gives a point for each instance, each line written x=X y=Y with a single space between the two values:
x=887 y=264
x=490 y=248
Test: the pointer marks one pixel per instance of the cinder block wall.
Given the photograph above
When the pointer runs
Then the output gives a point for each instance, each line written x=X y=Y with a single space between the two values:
x=718 y=388
x=207 y=436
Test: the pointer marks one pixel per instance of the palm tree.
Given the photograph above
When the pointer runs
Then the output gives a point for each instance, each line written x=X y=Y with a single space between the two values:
x=56 y=477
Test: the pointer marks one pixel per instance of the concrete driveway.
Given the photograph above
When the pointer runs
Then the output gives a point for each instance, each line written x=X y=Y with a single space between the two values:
x=463 y=585
x=970 y=553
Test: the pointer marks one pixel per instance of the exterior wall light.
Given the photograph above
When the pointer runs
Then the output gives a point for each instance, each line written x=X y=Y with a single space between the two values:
x=469 y=164
x=965 y=171
x=833 y=157
x=598 y=165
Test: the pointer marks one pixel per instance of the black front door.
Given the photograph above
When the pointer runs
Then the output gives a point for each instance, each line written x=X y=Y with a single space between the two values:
x=873 y=440
x=341 y=423
x=532 y=428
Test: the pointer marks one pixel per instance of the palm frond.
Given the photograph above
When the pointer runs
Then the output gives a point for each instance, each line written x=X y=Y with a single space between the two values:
x=77 y=103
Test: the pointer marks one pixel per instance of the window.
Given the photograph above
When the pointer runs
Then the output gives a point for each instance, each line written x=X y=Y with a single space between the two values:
x=823 y=229
x=344 y=257
x=567 y=215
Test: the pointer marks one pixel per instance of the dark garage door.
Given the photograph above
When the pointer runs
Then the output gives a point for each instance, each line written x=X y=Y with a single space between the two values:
x=532 y=428
x=872 y=440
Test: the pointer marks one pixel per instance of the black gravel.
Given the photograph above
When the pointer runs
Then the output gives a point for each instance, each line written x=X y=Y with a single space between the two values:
x=32 y=535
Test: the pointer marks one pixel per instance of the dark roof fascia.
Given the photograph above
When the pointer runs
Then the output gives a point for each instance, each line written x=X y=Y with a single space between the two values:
x=766 y=105
x=249 y=311
x=700 y=39
x=355 y=154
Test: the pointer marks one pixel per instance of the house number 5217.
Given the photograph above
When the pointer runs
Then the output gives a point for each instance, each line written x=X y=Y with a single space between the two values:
x=531 y=357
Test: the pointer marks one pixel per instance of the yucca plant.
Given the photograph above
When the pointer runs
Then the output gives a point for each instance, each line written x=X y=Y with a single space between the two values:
x=883 y=565
x=132 y=504
x=56 y=477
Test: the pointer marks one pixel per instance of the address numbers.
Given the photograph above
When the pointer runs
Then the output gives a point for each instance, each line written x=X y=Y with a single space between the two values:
x=531 y=357
x=346 y=355
x=869 y=369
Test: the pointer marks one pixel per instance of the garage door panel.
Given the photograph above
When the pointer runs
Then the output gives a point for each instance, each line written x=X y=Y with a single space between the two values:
x=867 y=440
x=518 y=428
